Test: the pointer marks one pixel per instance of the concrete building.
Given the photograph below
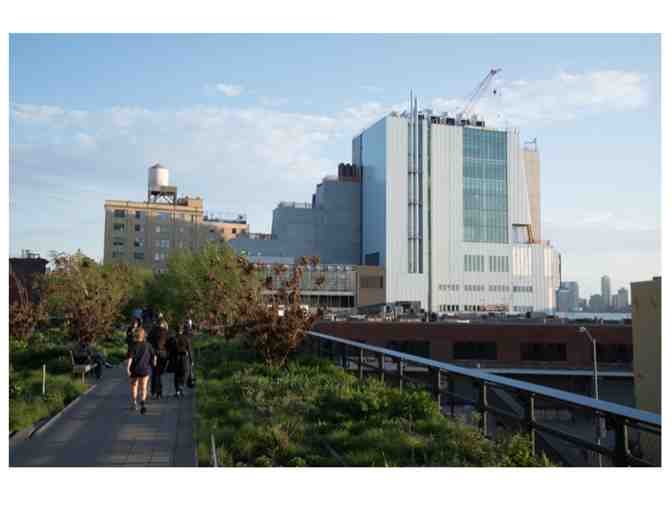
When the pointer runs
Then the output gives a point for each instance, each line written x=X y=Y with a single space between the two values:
x=606 y=292
x=532 y=166
x=568 y=297
x=328 y=226
x=145 y=233
x=447 y=211
x=621 y=299
x=23 y=273
x=647 y=357
x=595 y=304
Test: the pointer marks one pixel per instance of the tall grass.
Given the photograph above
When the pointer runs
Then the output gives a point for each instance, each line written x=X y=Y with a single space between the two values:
x=312 y=413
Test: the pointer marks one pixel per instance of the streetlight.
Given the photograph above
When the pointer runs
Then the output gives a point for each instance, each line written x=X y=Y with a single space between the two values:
x=596 y=395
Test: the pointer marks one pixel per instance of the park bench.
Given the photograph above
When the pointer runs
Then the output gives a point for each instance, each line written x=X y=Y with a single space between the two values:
x=83 y=368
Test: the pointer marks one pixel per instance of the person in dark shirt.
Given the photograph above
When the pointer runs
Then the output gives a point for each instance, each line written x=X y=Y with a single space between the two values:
x=130 y=332
x=181 y=360
x=159 y=342
x=140 y=359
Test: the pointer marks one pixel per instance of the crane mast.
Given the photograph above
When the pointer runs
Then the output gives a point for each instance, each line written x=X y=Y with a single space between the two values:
x=476 y=95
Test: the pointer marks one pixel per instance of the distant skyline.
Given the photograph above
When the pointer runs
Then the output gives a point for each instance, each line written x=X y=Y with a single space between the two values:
x=246 y=121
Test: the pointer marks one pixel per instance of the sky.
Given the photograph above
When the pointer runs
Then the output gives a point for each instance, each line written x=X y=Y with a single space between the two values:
x=246 y=121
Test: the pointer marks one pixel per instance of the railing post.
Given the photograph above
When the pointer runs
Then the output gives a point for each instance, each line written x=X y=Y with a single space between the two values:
x=482 y=403
x=361 y=363
x=381 y=366
x=344 y=356
x=451 y=390
x=621 y=447
x=530 y=420
x=400 y=372
x=435 y=374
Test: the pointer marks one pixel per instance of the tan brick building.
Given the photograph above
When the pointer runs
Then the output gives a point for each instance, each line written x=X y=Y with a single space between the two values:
x=146 y=233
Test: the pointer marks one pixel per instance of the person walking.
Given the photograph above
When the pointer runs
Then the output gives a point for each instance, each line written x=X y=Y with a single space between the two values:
x=181 y=360
x=130 y=332
x=140 y=359
x=159 y=342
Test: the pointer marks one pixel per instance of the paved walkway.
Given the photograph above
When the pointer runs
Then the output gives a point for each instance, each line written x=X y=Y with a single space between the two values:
x=101 y=430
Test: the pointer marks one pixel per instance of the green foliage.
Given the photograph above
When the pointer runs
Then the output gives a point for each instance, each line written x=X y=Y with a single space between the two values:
x=27 y=405
x=312 y=413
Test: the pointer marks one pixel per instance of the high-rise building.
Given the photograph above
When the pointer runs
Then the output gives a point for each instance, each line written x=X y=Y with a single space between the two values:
x=595 y=303
x=532 y=169
x=568 y=297
x=145 y=233
x=621 y=299
x=606 y=291
x=447 y=210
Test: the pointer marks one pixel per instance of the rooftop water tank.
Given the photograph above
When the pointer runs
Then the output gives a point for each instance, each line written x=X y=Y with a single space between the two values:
x=158 y=176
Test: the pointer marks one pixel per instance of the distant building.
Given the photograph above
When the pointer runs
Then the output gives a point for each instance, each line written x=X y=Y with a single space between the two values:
x=582 y=304
x=568 y=297
x=647 y=358
x=145 y=233
x=606 y=293
x=596 y=304
x=621 y=300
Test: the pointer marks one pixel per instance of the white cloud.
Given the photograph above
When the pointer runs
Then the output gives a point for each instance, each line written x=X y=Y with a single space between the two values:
x=229 y=90
x=566 y=96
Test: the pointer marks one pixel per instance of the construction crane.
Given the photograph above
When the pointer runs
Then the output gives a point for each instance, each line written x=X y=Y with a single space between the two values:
x=477 y=94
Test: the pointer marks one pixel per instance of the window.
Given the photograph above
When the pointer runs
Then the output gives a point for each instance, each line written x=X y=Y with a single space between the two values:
x=139 y=228
x=119 y=227
x=474 y=263
x=139 y=255
x=475 y=350
x=485 y=194
x=163 y=216
x=449 y=287
x=119 y=213
x=164 y=243
x=614 y=353
x=414 y=347
x=158 y=229
x=139 y=243
x=543 y=352
x=156 y=257
x=118 y=242
x=233 y=230
x=498 y=263
x=372 y=259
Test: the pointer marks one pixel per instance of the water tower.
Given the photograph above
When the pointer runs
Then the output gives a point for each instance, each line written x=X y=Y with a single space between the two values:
x=158 y=187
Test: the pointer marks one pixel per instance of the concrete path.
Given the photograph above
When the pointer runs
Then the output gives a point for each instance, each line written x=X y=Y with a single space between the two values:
x=101 y=430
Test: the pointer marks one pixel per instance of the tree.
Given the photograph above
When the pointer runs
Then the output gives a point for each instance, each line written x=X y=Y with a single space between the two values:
x=88 y=296
x=277 y=321
x=25 y=313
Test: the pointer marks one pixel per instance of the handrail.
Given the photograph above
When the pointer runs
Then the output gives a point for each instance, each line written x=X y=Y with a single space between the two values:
x=618 y=415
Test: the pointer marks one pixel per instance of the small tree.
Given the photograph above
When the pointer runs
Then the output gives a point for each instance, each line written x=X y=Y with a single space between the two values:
x=277 y=322
x=88 y=296
x=25 y=313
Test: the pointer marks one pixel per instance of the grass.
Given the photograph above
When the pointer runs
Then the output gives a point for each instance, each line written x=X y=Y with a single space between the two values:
x=313 y=413
x=27 y=405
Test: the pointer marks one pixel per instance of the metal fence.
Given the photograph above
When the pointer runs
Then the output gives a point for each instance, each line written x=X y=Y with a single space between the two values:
x=442 y=380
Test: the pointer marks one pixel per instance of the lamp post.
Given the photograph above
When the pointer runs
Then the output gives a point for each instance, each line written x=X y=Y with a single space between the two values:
x=596 y=395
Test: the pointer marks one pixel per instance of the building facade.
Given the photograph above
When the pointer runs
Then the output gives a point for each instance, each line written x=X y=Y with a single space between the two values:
x=446 y=210
x=647 y=356
x=327 y=227
x=606 y=292
x=568 y=297
x=145 y=233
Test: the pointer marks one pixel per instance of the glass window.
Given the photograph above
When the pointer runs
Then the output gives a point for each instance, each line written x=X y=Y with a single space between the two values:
x=139 y=228
x=163 y=216
x=139 y=255
x=138 y=215
x=119 y=227
x=119 y=213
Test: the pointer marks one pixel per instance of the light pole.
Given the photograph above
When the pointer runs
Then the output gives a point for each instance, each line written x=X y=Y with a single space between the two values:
x=596 y=395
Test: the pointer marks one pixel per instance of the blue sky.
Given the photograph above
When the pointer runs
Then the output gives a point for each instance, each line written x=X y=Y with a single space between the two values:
x=248 y=120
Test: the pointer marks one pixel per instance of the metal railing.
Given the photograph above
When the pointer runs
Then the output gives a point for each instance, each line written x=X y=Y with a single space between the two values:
x=442 y=379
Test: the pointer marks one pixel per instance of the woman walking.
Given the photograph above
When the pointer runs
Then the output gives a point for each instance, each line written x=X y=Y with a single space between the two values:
x=181 y=360
x=141 y=358
x=158 y=338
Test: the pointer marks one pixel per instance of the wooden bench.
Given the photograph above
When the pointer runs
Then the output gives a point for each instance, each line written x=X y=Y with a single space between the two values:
x=82 y=369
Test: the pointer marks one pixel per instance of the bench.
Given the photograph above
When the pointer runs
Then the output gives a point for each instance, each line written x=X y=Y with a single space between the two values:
x=82 y=369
